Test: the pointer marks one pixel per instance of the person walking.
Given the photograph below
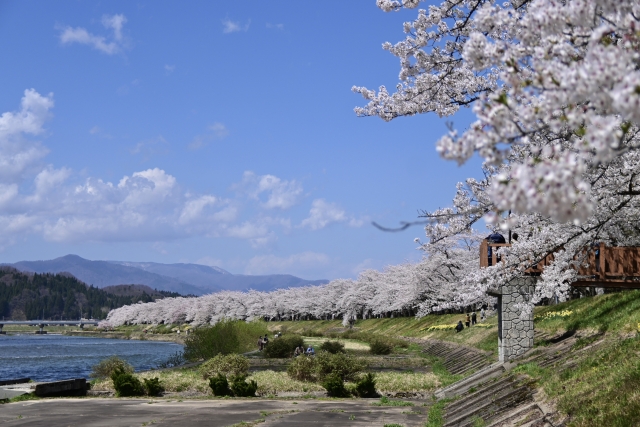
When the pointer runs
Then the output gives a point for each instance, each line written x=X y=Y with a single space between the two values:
x=468 y=321
x=265 y=341
x=474 y=318
x=482 y=314
x=260 y=343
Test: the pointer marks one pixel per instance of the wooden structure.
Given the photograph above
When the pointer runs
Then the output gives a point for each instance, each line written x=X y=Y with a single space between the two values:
x=608 y=266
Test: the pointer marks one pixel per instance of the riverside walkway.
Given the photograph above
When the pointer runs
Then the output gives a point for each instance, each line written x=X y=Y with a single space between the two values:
x=103 y=412
x=42 y=323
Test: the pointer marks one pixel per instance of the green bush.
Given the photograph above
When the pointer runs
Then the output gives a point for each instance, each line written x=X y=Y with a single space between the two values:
x=225 y=337
x=241 y=388
x=333 y=347
x=302 y=368
x=228 y=365
x=220 y=386
x=283 y=347
x=347 y=366
x=366 y=386
x=105 y=368
x=334 y=384
x=153 y=386
x=126 y=384
x=380 y=347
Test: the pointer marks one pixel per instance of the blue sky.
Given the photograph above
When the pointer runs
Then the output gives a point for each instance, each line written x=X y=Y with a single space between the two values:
x=219 y=133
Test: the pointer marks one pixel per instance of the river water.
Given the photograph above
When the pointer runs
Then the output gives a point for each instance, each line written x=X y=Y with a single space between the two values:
x=56 y=357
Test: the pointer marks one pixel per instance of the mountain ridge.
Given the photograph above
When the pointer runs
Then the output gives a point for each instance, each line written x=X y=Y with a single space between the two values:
x=184 y=278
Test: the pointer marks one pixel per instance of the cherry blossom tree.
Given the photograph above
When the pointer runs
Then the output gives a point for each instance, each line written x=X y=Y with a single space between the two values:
x=555 y=87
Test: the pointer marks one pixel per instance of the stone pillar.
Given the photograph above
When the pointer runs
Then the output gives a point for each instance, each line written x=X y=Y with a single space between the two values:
x=515 y=334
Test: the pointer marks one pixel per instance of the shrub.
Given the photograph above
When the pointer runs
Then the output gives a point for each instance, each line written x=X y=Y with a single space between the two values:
x=241 y=388
x=346 y=366
x=228 y=365
x=220 y=386
x=176 y=359
x=153 y=386
x=302 y=368
x=333 y=347
x=381 y=347
x=225 y=337
x=334 y=384
x=105 y=368
x=126 y=384
x=366 y=386
x=283 y=346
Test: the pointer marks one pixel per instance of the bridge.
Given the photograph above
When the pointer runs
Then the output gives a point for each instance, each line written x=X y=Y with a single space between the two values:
x=42 y=323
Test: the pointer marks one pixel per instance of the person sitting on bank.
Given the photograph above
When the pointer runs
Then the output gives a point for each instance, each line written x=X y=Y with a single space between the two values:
x=310 y=351
x=298 y=351
x=459 y=326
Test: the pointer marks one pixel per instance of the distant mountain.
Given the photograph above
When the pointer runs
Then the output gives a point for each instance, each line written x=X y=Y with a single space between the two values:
x=104 y=273
x=202 y=276
x=30 y=296
x=185 y=279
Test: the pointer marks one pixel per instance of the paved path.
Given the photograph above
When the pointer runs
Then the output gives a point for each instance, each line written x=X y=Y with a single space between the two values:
x=100 y=412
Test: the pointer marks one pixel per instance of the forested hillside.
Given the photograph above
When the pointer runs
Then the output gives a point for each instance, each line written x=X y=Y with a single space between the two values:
x=59 y=296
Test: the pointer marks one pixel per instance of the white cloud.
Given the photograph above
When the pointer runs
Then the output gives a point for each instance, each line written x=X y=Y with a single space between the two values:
x=193 y=209
x=229 y=26
x=80 y=35
x=280 y=193
x=323 y=213
x=271 y=264
x=275 y=26
x=146 y=205
x=169 y=69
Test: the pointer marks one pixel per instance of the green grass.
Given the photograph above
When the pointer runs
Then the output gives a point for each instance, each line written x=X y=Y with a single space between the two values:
x=435 y=416
x=23 y=398
x=385 y=401
x=617 y=312
x=603 y=389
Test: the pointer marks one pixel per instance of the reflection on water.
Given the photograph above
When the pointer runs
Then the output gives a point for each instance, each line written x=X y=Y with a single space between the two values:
x=55 y=357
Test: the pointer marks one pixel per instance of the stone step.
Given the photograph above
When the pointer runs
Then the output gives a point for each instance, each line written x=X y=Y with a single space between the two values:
x=463 y=361
x=490 y=408
x=485 y=392
x=483 y=375
x=520 y=416
x=471 y=362
x=469 y=368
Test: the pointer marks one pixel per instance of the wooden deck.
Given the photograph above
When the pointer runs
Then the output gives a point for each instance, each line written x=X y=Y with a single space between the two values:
x=608 y=266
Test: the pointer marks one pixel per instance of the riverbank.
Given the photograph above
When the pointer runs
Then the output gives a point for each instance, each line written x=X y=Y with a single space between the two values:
x=140 y=336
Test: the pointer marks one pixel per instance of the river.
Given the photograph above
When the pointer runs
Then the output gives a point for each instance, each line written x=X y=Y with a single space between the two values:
x=55 y=357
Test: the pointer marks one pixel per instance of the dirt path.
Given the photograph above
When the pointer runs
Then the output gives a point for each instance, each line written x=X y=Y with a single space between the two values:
x=211 y=413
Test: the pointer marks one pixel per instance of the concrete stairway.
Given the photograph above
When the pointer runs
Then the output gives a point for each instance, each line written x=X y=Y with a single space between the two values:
x=457 y=359
x=503 y=399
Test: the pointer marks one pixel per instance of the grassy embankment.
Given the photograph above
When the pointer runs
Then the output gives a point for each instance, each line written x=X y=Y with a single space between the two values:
x=602 y=389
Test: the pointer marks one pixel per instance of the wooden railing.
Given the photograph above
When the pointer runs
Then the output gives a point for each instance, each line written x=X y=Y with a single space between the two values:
x=607 y=266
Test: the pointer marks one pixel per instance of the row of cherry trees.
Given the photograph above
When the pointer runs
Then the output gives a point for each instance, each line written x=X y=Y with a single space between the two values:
x=400 y=290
